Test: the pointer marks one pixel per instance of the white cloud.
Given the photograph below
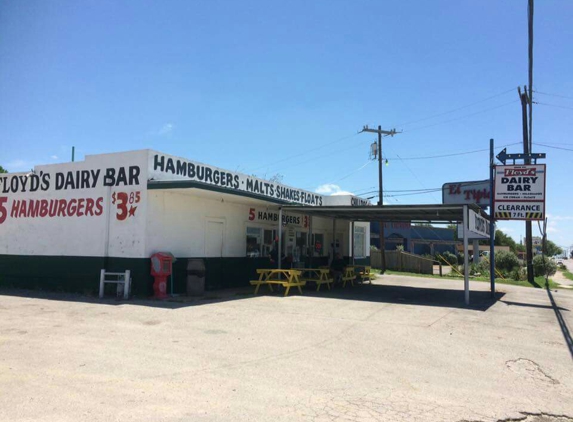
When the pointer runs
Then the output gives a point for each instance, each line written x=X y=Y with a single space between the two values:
x=331 y=189
x=166 y=129
x=54 y=157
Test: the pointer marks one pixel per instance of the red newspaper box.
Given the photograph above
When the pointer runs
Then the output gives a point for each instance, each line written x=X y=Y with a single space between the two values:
x=161 y=269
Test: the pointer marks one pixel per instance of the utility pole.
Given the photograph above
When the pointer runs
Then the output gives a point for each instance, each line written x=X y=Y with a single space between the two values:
x=525 y=100
x=380 y=132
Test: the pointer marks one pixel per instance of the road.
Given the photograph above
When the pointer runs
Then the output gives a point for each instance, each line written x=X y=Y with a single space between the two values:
x=402 y=349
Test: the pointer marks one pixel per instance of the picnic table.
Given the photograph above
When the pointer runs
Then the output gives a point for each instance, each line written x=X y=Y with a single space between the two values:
x=285 y=278
x=365 y=273
x=319 y=276
x=348 y=274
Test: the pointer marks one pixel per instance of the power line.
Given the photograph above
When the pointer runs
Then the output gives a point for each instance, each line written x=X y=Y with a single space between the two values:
x=456 y=153
x=548 y=146
x=456 y=109
x=554 y=95
x=553 y=105
x=461 y=117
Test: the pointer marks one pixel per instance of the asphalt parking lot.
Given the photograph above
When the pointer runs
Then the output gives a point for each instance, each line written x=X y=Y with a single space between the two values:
x=402 y=349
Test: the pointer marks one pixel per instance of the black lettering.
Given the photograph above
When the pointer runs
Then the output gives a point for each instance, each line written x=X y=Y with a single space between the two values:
x=4 y=184
x=95 y=177
x=159 y=163
x=208 y=175
x=45 y=181
x=85 y=183
x=181 y=168
x=109 y=178
x=121 y=177
x=170 y=167
x=34 y=182
x=134 y=175
x=69 y=181
x=23 y=182
x=14 y=186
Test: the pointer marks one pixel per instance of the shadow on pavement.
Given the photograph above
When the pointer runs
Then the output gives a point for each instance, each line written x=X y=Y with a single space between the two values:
x=531 y=305
x=562 y=324
x=406 y=295
x=387 y=293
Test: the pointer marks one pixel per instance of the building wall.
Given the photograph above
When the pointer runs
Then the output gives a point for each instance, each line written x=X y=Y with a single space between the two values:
x=76 y=209
x=62 y=223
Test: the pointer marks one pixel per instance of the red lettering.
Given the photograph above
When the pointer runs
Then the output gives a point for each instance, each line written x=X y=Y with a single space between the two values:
x=15 y=209
x=80 y=211
x=43 y=208
x=62 y=208
x=89 y=206
x=99 y=206
x=72 y=207
x=53 y=207
x=22 y=212
x=3 y=211
x=34 y=208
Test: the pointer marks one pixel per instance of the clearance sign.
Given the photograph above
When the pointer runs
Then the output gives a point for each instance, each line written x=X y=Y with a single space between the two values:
x=519 y=192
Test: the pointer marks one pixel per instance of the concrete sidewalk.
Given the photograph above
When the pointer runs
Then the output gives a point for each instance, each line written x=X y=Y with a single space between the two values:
x=402 y=349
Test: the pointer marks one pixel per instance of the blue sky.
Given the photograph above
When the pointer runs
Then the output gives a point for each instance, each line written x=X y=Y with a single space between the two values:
x=267 y=87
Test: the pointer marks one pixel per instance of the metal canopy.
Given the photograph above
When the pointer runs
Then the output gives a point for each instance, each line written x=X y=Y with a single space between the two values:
x=389 y=213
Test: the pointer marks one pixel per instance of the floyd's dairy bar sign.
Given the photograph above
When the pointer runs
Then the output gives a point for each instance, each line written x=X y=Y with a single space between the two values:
x=520 y=192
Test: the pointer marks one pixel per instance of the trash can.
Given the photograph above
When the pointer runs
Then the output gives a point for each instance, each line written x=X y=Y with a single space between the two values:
x=195 y=277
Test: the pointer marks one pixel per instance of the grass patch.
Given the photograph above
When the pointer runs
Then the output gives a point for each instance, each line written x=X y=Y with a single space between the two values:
x=566 y=273
x=540 y=281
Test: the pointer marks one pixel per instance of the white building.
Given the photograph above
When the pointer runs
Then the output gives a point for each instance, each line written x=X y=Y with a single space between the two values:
x=62 y=223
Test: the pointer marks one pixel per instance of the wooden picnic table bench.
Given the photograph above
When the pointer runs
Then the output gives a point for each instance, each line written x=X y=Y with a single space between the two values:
x=365 y=273
x=286 y=278
x=319 y=276
x=348 y=274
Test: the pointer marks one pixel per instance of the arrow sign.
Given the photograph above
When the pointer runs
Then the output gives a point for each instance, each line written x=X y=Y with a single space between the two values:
x=503 y=156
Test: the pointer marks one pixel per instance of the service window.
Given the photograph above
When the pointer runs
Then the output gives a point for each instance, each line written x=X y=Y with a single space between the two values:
x=359 y=242
x=254 y=242
x=260 y=241
x=269 y=237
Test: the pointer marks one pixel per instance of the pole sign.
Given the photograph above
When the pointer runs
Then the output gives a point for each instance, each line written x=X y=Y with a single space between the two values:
x=519 y=192
x=478 y=226
x=466 y=193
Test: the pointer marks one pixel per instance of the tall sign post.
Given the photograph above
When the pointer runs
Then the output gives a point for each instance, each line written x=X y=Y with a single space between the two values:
x=491 y=222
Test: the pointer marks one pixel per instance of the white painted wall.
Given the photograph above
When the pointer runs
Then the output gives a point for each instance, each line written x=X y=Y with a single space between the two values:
x=68 y=233
x=177 y=221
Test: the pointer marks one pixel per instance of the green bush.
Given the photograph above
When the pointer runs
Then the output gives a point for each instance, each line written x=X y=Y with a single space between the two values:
x=450 y=257
x=547 y=268
x=480 y=268
x=518 y=274
x=506 y=261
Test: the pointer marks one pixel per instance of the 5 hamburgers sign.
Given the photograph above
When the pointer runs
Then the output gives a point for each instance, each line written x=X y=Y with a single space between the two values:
x=519 y=192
